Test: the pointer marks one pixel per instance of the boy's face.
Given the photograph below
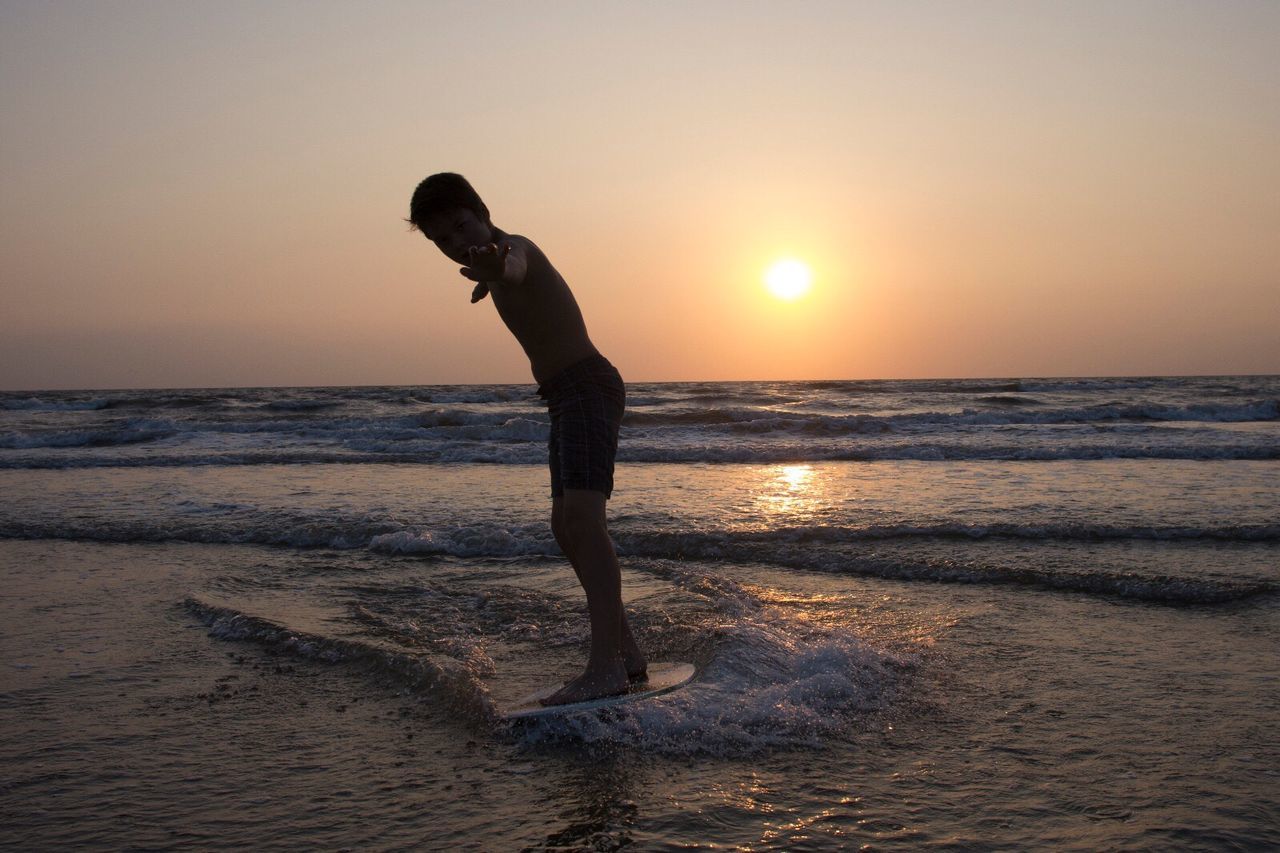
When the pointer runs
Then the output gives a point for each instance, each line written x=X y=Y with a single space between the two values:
x=456 y=230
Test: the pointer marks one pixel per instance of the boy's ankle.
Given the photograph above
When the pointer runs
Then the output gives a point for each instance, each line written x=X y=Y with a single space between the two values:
x=598 y=664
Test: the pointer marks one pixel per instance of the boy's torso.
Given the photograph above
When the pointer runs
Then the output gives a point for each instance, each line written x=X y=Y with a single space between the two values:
x=543 y=315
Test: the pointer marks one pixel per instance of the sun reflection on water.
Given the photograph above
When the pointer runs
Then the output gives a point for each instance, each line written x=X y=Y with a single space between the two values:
x=789 y=494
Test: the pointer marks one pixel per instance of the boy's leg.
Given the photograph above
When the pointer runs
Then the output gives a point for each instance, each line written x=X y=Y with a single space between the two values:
x=632 y=657
x=583 y=524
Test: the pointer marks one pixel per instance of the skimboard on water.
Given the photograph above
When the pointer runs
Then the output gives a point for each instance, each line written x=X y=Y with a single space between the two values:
x=663 y=678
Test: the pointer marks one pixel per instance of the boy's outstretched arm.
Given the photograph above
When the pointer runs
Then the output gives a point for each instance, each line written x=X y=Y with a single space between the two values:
x=495 y=264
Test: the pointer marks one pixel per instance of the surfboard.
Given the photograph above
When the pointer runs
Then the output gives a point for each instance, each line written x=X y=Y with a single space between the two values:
x=663 y=678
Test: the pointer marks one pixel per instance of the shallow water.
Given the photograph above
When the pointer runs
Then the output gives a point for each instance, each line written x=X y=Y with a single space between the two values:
x=1065 y=653
x=829 y=709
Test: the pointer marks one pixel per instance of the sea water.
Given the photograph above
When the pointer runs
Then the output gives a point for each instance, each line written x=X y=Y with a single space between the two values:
x=1035 y=613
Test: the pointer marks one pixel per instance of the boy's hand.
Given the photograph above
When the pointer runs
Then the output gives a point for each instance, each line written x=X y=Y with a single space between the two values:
x=487 y=263
x=480 y=292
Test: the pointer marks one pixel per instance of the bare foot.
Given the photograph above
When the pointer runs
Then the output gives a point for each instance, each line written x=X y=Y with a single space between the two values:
x=633 y=659
x=592 y=684
x=637 y=667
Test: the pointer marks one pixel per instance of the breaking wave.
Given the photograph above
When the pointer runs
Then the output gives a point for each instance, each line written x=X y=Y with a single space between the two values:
x=818 y=549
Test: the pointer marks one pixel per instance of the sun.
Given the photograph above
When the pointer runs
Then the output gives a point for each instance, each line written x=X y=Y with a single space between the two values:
x=788 y=279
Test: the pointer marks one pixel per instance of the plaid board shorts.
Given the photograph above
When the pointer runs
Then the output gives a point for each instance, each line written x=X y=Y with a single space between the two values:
x=586 y=401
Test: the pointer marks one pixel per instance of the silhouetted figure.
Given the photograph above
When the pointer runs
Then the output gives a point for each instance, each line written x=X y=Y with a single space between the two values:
x=585 y=397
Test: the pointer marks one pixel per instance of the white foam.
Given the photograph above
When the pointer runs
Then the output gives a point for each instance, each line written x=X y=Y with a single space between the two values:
x=774 y=680
x=473 y=540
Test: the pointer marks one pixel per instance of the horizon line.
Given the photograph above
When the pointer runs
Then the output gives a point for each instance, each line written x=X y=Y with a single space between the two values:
x=989 y=378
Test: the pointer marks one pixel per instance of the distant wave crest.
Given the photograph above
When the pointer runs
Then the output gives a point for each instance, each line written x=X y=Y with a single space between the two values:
x=721 y=422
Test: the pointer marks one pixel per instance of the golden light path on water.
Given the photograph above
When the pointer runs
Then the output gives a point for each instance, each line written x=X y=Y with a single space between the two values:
x=799 y=496
x=791 y=493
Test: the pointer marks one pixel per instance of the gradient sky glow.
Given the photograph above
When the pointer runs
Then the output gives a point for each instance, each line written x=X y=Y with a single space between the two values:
x=211 y=194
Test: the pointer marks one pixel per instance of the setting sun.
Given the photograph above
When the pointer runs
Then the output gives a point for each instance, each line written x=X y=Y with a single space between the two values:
x=788 y=279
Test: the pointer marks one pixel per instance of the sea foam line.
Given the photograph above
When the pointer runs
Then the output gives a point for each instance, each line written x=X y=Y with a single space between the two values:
x=235 y=524
x=521 y=451
x=456 y=682
x=805 y=549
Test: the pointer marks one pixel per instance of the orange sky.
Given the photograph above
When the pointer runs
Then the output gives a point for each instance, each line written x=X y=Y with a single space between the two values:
x=197 y=194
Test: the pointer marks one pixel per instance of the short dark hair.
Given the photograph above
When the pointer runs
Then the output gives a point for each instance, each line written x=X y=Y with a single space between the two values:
x=444 y=191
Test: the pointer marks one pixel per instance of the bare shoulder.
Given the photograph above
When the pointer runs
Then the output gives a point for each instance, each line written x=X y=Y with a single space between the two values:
x=534 y=266
x=522 y=242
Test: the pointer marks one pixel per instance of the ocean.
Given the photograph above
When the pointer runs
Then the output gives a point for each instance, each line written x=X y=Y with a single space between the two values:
x=934 y=614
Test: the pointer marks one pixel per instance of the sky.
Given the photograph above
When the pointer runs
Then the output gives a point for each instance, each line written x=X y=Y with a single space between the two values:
x=212 y=194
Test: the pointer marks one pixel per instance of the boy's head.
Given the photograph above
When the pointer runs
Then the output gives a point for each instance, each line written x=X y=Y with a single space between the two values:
x=450 y=213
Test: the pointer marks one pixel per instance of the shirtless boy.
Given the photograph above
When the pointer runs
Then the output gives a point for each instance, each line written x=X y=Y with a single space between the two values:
x=585 y=397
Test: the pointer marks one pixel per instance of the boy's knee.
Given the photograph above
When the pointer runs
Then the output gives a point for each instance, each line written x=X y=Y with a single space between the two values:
x=557 y=530
x=581 y=520
x=557 y=523
x=577 y=525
